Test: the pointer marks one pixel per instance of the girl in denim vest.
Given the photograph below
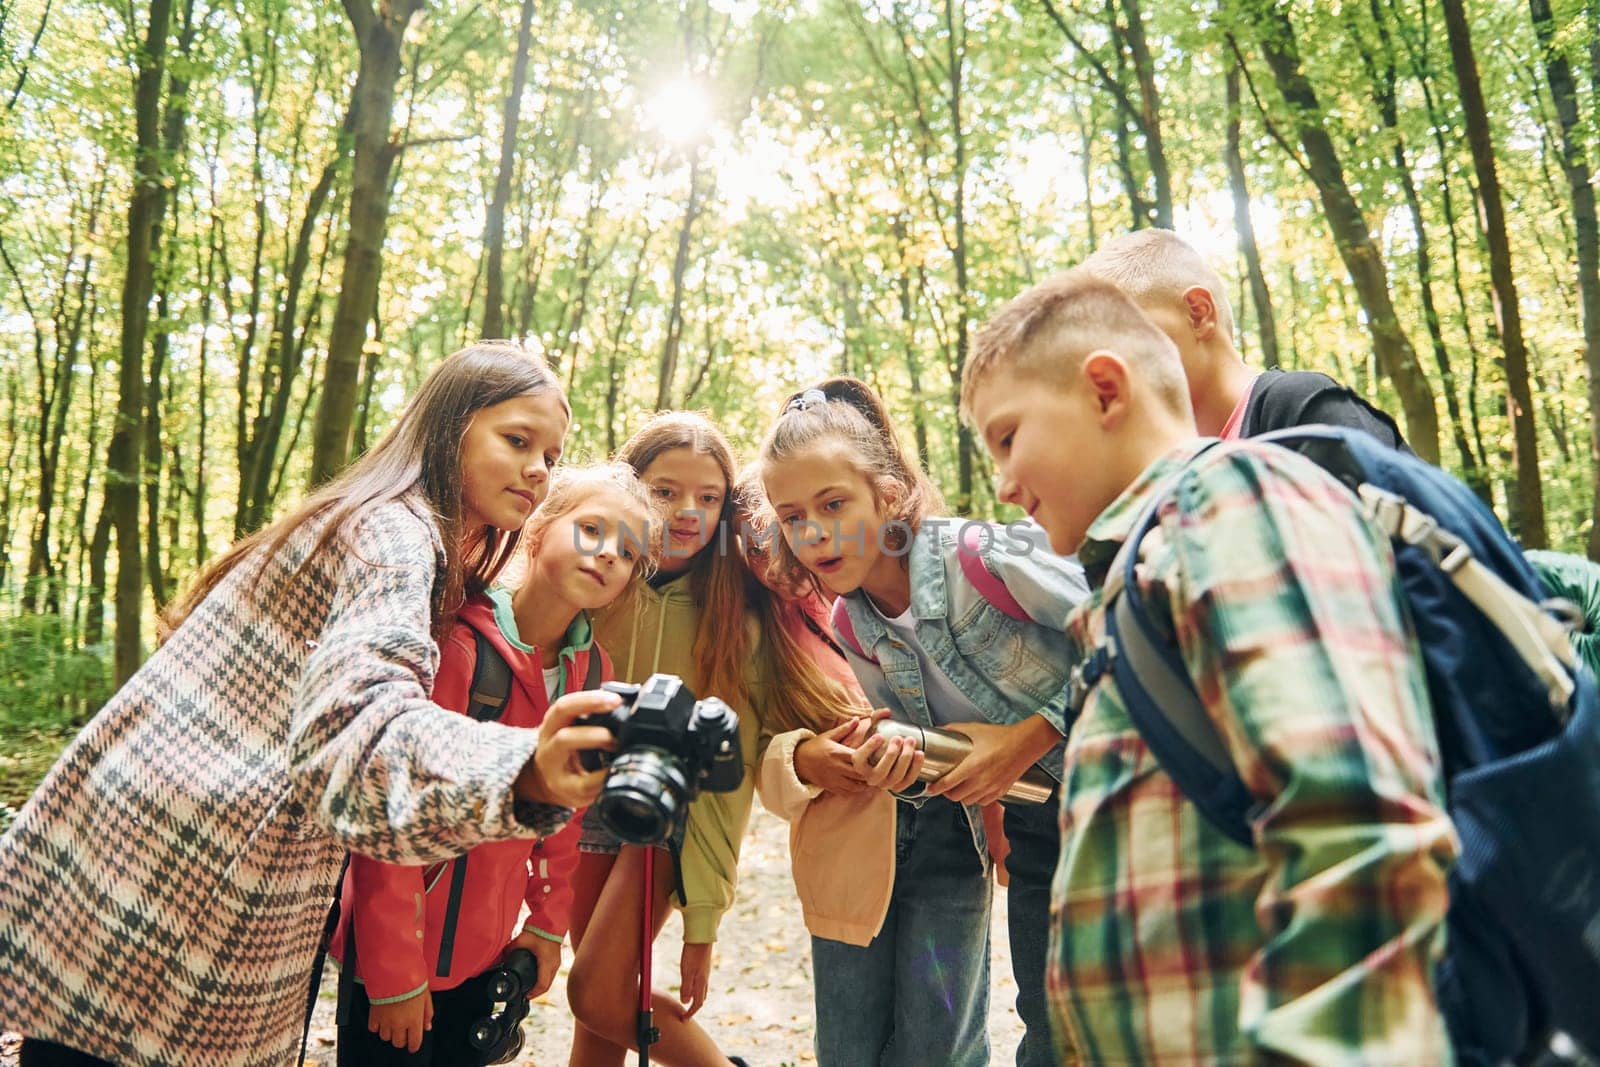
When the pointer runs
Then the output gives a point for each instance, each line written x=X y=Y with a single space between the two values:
x=939 y=641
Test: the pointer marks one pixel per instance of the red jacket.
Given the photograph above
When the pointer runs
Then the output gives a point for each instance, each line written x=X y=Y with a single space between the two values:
x=399 y=912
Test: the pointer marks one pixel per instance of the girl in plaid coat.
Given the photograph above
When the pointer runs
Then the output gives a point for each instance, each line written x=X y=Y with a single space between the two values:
x=164 y=892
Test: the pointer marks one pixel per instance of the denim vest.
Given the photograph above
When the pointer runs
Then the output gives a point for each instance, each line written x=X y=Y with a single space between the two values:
x=1008 y=668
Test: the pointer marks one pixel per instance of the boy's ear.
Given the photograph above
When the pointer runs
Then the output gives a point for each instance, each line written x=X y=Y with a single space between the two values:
x=1202 y=308
x=1107 y=377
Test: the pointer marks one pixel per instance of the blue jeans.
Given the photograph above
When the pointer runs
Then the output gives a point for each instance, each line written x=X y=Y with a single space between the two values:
x=1034 y=833
x=923 y=982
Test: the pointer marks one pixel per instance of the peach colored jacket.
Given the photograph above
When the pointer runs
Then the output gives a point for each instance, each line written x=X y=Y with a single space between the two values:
x=841 y=847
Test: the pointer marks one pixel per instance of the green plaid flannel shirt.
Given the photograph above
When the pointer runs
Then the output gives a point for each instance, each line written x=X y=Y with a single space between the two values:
x=1172 y=944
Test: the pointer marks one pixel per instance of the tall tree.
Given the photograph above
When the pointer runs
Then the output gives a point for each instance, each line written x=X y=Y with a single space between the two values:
x=1245 y=228
x=124 y=457
x=1527 y=506
x=494 y=230
x=1575 y=164
x=379 y=34
x=1269 y=23
x=1383 y=76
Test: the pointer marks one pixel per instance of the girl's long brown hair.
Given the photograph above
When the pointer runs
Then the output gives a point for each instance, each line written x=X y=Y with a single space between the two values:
x=420 y=455
x=718 y=579
x=801 y=695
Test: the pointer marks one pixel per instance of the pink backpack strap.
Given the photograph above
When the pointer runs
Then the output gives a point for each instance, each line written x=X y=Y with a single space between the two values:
x=847 y=630
x=969 y=551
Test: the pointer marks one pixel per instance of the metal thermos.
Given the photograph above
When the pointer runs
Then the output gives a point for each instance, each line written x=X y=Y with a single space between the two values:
x=943 y=749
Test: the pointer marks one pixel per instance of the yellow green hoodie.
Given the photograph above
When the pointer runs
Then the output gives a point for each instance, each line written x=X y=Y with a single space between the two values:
x=654 y=632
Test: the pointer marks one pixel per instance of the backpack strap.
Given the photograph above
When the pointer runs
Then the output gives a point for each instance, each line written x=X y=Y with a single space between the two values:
x=491 y=681
x=486 y=702
x=1160 y=696
x=969 y=551
x=847 y=630
x=1161 y=699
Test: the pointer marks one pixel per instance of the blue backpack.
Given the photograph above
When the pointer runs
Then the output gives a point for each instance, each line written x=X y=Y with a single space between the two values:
x=1519 y=731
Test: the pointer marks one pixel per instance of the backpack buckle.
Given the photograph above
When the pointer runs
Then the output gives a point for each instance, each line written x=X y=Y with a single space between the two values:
x=1087 y=674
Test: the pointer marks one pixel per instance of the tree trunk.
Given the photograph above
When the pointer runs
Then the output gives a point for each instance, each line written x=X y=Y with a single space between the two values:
x=680 y=267
x=624 y=317
x=1575 y=162
x=1149 y=113
x=1245 y=228
x=378 y=36
x=5 y=484
x=1362 y=258
x=956 y=39
x=494 y=230
x=259 y=449
x=1383 y=74
x=124 y=459
x=1527 y=506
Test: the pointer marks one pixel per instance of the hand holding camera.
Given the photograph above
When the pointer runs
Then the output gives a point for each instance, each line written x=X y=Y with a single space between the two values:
x=667 y=747
x=556 y=774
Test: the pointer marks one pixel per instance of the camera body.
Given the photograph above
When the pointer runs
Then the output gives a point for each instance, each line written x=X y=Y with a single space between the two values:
x=497 y=1037
x=670 y=746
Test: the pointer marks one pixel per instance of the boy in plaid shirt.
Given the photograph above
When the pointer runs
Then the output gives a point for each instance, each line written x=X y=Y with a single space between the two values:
x=1170 y=943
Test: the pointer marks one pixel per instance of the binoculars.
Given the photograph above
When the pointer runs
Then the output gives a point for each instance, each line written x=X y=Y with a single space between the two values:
x=943 y=749
x=497 y=1037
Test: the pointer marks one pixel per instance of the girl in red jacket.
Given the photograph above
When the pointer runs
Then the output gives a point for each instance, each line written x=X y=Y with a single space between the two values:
x=425 y=938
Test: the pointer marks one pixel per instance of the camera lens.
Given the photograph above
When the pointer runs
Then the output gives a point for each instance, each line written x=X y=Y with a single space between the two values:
x=643 y=797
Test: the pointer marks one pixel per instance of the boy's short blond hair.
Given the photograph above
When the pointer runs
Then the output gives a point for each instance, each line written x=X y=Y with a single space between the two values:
x=1156 y=267
x=1047 y=332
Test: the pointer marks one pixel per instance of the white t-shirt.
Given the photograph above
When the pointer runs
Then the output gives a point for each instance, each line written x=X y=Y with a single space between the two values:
x=946 y=703
x=552 y=681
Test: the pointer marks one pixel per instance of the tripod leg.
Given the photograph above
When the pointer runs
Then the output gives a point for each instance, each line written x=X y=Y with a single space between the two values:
x=647 y=1033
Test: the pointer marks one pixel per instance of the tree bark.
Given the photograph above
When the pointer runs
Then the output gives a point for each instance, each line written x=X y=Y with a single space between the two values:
x=378 y=36
x=1149 y=113
x=1527 y=505
x=124 y=456
x=494 y=230
x=1381 y=70
x=1242 y=224
x=1362 y=258
x=259 y=449
x=1575 y=163
x=680 y=267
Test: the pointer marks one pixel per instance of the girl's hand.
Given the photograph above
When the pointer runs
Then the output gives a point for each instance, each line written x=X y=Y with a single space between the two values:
x=694 y=968
x=999 y=756
x=825 y=760
x=554 y=775
x=403 y=1022
x=546 y=953
x=884 y=764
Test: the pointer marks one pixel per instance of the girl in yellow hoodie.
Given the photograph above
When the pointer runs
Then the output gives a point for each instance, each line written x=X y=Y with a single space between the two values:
x=705 y=618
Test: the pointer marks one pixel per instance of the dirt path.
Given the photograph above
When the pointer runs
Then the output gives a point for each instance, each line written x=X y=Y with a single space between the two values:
x=760 y=1005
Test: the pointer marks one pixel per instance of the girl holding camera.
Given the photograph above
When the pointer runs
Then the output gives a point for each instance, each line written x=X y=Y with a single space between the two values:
x=164 y=892
x=939 y=640
x=418 y=976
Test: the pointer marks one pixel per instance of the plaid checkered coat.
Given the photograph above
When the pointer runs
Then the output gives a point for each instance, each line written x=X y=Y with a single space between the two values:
x=163 y=893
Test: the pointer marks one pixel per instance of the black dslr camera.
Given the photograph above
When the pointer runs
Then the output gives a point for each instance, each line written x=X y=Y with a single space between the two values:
x=497 y=1037
x=669 y=747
